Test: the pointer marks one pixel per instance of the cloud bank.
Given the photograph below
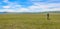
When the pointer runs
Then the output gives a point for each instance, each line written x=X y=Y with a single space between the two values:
x=29 y=5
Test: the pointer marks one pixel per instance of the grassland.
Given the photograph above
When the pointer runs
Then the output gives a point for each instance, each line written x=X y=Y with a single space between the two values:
x=29 y=21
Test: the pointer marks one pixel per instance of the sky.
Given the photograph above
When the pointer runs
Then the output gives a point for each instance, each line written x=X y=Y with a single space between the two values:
x=29 y=5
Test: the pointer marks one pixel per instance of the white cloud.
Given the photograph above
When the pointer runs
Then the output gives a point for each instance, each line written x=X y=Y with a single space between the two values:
x=5 y=1
x=37 y=7
x=11 y=5
x=46 y=7
x=23 y=10
x=7 y=10
x=6 y=7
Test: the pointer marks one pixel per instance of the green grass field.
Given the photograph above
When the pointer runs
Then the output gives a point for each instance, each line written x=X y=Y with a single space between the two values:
x=29 y=21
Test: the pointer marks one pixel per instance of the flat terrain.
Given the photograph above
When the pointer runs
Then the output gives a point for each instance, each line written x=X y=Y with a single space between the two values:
x=29 y=21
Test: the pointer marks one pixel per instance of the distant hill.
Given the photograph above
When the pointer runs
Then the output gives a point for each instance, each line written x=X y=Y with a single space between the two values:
x=31 y=12
x=51 y=12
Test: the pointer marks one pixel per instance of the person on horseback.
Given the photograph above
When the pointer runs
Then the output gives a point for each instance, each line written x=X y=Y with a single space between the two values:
x=48 y=16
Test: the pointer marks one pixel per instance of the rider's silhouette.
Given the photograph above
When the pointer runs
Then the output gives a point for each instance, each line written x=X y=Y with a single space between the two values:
x=48 y=16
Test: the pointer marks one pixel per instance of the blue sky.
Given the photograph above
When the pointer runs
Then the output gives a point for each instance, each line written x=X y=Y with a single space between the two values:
x=29 y=5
